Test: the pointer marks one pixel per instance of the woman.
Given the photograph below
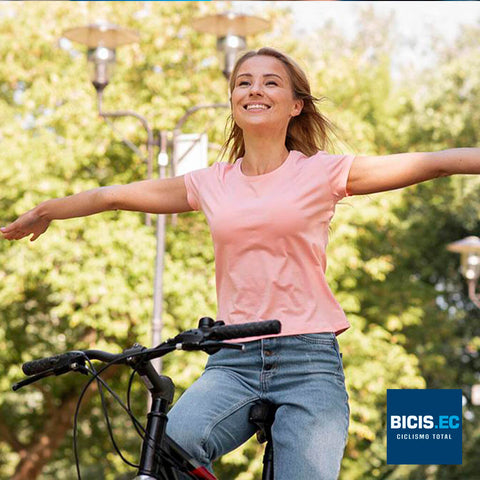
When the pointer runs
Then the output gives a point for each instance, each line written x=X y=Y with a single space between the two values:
x=268 y=209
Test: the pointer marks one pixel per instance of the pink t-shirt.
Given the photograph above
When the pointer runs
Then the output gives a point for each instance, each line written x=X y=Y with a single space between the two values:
x=270 y=233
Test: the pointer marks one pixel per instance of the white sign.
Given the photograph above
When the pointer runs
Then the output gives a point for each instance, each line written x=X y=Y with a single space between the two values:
x=190 y=152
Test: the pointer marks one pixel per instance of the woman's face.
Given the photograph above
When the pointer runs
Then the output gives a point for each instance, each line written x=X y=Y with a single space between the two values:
x=263 y=95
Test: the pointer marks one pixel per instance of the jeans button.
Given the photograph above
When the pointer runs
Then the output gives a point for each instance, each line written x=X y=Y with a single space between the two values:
x=268 y=353
x=268 y=367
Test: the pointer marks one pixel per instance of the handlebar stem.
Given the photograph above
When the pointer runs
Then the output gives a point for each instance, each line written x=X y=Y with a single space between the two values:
x=159 y=386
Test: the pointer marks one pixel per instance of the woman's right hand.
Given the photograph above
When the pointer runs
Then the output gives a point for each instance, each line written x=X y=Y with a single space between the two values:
x=27 y=224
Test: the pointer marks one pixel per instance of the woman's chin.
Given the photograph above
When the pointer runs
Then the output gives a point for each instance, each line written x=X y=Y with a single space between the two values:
x=259 y=125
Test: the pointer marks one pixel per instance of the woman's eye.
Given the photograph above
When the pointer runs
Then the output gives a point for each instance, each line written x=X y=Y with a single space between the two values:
x=241 y=84
x=271 y=82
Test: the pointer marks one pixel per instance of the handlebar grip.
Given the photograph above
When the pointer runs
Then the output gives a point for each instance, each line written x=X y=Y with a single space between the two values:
x=252 y=329
x=49 y=363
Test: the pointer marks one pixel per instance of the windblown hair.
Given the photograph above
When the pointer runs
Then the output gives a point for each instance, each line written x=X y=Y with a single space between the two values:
x=308 y=132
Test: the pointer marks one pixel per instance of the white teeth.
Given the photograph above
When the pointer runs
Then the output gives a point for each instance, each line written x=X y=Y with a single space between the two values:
x=257 y=105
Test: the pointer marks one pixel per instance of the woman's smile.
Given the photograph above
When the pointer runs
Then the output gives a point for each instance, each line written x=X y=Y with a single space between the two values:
x=256 y=107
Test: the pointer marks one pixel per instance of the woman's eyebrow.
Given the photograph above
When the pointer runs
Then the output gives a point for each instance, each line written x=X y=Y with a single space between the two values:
x=265 y=75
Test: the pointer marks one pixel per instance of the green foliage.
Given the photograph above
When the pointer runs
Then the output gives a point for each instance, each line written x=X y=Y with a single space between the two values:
x=88 y=282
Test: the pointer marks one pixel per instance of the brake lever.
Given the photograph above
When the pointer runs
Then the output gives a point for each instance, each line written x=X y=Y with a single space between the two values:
x=32 y=379
x=71 y=367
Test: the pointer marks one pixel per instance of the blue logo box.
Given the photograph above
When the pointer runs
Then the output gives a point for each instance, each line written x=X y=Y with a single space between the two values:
x=424 y=427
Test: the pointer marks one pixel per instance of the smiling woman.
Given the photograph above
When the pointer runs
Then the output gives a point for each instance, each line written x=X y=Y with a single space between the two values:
x=263 y=96
x=301 y=126
x=269 y=209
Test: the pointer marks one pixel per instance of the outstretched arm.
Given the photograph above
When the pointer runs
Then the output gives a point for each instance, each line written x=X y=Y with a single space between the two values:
x=167 y=195
x=371 y=174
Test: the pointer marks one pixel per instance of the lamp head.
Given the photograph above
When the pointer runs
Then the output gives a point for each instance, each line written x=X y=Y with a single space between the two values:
x=469 y=250
x=101 y=62
x=231 y=30
x=101 y=38
x=230 y=46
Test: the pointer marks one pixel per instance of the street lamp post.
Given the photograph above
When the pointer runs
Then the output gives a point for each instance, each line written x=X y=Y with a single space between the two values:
x=469 y=250
x=102 y=39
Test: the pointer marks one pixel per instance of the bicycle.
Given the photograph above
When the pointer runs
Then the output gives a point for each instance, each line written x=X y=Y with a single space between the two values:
x=161 y=457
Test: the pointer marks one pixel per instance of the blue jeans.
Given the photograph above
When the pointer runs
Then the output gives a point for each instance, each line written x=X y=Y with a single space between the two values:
x=302 y=374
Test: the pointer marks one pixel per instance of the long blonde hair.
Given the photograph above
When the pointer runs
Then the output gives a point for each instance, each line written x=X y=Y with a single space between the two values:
x=308 y=132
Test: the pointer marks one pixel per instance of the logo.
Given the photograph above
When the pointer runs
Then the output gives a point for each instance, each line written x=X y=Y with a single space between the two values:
x=424 y=427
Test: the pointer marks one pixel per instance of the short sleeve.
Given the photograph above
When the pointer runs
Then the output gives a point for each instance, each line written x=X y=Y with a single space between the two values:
x=192 y=191
x=338 y=168
x=198 y=183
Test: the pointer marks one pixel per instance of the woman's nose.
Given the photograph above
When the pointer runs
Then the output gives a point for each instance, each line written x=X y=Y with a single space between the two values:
x=256 y=89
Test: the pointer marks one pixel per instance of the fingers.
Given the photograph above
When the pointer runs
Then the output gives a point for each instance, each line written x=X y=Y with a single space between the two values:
x=16 y=234
x=9 y=231
x=23 y=227
x=13 y=234
x=12 y=231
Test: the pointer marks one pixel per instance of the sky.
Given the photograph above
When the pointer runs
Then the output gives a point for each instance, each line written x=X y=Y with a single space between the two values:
x=414 y=20
x=412 y=17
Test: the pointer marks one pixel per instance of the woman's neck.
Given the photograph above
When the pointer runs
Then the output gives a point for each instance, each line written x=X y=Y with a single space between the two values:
x=262 y=155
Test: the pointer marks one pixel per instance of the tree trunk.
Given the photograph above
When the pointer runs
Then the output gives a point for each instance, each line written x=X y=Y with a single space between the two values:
x=37 y=454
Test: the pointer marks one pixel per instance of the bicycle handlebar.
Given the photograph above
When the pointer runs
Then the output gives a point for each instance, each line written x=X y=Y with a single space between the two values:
x=206 y=337
x=57 y=363
x=244 y=330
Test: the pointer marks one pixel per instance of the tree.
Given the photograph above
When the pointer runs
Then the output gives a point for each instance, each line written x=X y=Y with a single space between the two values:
x=86 y=282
